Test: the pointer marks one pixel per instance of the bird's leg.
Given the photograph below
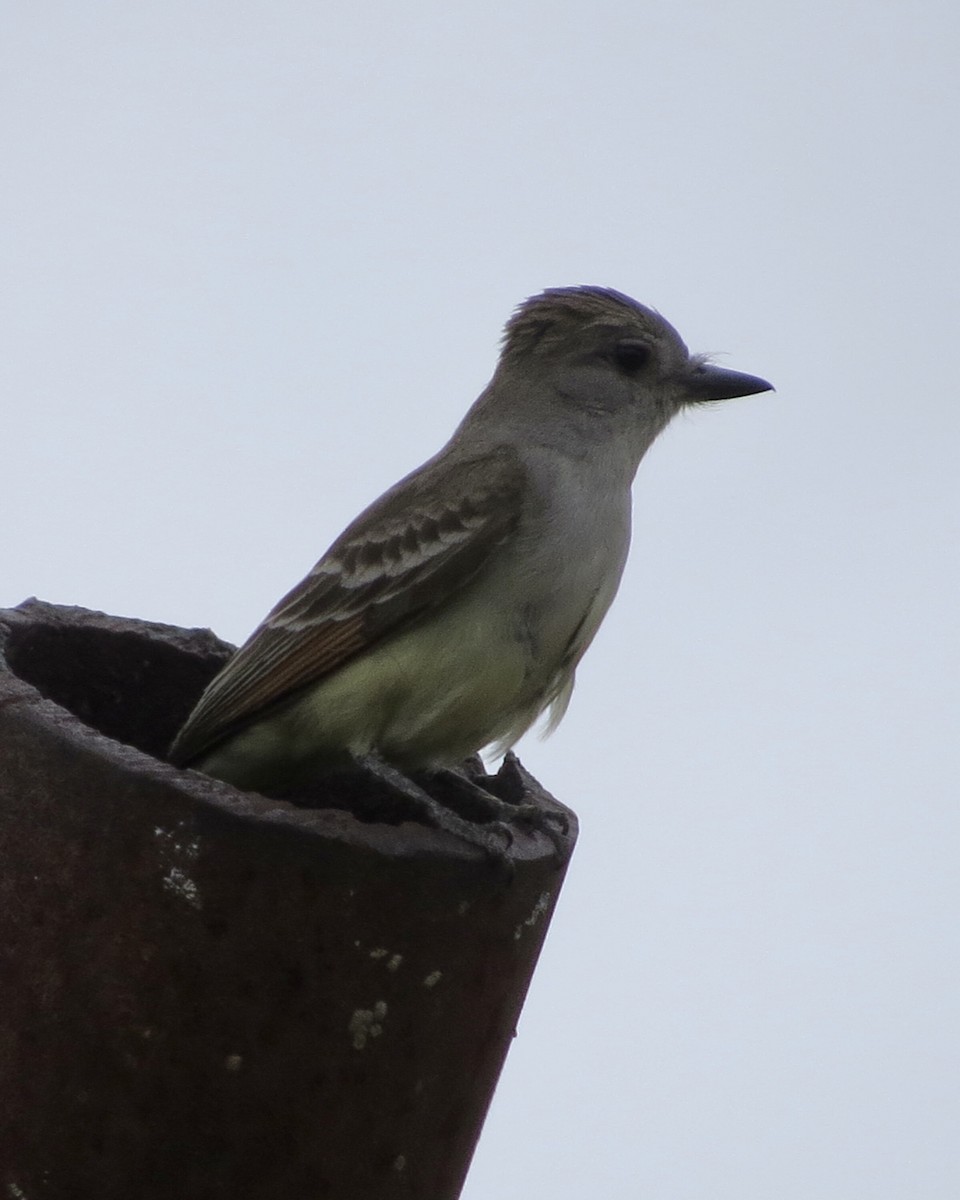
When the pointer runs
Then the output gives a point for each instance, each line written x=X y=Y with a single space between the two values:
x=433 y=812
x=468 y=806
x=477 y=801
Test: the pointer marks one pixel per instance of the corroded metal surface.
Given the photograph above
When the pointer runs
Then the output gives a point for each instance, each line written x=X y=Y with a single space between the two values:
x=207 y=993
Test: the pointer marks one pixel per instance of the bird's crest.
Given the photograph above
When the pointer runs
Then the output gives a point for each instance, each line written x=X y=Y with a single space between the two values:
x=547 y=316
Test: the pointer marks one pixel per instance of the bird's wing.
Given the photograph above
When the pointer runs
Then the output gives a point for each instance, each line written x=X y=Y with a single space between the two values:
x=410 y=551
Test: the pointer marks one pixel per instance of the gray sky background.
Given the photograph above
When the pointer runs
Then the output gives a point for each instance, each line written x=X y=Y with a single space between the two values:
x=255 y=261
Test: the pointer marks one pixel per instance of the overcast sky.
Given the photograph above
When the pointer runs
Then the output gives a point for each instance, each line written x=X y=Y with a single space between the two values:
x=255 y=259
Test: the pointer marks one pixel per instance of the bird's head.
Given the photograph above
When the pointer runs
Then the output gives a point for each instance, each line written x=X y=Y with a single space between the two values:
x=603 y=353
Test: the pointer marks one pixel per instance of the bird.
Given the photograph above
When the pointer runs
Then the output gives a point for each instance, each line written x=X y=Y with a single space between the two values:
x=453 y=611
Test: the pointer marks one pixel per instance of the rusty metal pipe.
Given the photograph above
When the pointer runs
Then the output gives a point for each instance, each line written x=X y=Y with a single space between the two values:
x=208 y=993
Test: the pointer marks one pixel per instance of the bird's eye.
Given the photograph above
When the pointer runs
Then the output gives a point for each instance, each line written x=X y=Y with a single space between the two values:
x=631 y=355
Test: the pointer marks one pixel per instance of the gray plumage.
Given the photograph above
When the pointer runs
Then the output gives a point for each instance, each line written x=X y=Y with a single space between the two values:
x=453 y=611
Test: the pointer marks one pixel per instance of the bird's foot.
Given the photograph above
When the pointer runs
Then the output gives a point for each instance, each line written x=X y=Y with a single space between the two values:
x=484 y=810
x=493 y=836
x=499 y=799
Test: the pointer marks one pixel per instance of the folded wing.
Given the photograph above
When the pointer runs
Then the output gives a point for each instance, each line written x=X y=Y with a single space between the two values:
x=411 y=551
